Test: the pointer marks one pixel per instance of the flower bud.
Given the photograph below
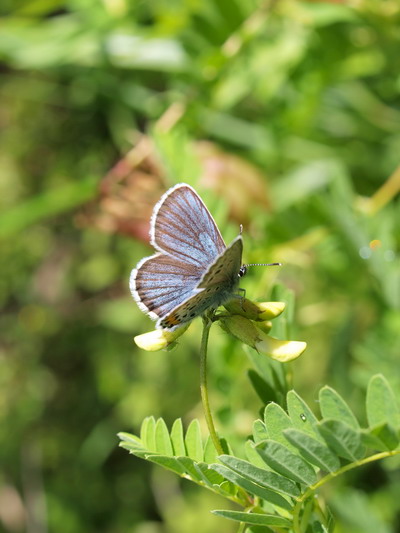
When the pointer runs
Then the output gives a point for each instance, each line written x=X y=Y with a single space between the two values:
x=255 y=310
x=240 y=327
x=251 y=334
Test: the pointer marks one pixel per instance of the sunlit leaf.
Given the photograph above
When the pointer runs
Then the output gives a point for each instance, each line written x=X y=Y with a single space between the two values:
x=177 y=438
x=193 y=442
x=162 y=438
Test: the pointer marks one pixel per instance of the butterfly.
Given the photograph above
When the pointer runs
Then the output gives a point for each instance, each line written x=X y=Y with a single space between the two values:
x=192 y=270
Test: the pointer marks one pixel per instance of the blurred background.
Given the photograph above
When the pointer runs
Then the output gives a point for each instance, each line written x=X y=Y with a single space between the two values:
x=285 y=117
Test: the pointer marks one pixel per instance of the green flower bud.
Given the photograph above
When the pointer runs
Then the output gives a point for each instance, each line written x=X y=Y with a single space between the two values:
x=255 y=310
x=240 y=327
x=251 y=334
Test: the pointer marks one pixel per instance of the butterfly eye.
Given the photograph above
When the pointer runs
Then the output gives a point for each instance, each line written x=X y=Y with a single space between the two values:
x=242 y=271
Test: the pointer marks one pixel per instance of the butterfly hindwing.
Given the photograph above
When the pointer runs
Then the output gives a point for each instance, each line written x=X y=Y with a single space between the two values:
x=161 y=282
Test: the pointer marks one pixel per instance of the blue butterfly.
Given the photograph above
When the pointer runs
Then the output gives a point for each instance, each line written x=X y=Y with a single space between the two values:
x=193 y=270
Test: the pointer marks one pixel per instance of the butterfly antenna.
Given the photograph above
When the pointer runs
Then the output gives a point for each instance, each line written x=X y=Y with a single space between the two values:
x=243 y=268
x=263 y=264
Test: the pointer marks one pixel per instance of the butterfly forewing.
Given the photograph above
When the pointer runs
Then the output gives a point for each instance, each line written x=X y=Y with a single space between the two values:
x=183 y=227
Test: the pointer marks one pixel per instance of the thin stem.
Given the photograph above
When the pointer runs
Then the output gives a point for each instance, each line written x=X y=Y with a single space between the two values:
x=203 y=385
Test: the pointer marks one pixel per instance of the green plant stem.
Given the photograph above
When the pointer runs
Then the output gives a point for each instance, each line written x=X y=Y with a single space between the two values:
x=297 y=527
x=203 y=384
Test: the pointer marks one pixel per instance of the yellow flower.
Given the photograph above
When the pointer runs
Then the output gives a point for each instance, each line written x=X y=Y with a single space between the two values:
x=159 y=339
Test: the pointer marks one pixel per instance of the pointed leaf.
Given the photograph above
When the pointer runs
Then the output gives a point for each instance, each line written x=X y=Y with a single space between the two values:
x=194 y=444
x=313 y=450
x=162 y=438
x=210 y=453
x=287 y=463
x=265 y=478
x=255 y=518
x=259 y=431
x=342 y=439
x=333 y=406
x=277 y=420
x=381 y=403
x=301 y=415
x=251 y=487
x=171 y=463
x=147 y=433
x=177 y=439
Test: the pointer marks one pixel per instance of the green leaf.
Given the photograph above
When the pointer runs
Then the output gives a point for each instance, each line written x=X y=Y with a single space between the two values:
x=251 y=487
x=277 y=420
x=210 y=453
x=334 y=407
x=194 y=444
x=259 y=431
x=301 y=415
x=147 y=433
x=382 y=437
x=171 y=463
x=381 y=403
x=178 y=442
x=287 y=463
x=162 y=438
x=255 y=518
x=262 y=477
x=342 y=439
x=313 y=450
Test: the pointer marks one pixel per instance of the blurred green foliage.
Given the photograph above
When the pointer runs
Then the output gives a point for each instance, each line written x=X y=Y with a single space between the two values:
x=306 y=96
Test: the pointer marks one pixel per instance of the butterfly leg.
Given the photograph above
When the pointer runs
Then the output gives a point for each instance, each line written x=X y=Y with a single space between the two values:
x=242 y=296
